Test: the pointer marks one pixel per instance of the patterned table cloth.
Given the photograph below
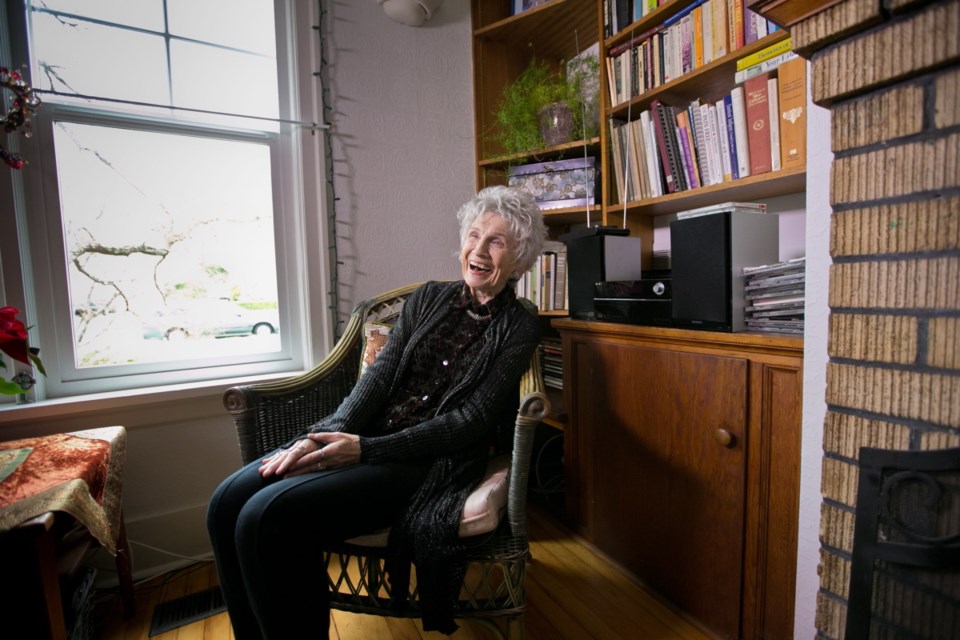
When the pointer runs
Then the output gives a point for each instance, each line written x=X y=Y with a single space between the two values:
x=80 y=473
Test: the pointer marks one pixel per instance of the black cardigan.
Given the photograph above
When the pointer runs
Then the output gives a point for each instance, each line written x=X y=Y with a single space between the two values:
x=476 y=410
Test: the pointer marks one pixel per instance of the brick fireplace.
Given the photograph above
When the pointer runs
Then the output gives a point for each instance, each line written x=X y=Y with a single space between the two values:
x=889 y=72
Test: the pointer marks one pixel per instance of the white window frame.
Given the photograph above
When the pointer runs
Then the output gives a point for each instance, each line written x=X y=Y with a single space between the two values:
x=33 y=269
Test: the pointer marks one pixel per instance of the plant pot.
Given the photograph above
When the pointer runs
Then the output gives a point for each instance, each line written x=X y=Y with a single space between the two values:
x=556 y=124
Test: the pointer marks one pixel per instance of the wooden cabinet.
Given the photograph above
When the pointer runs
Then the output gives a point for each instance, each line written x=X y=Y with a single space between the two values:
x=682 y=454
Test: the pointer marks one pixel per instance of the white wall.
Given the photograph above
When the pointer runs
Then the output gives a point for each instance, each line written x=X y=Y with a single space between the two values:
x=819 y=160
x=403 y=158
x=403 y=144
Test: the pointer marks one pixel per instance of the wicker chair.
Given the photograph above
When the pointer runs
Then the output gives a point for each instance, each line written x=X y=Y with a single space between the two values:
x=269 y=415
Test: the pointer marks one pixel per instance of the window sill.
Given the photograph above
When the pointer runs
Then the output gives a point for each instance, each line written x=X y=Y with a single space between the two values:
x=13 y=413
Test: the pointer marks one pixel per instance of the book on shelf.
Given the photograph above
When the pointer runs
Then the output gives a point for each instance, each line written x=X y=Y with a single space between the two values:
x=548 y=262
x=777 y=48
x=669 y=149
x=706 y=24
x=703 y=140
x=773 y=103
x=754 y=27
x=618 y=159
x=653 y=159
x=728 y=120
x=740 y=131
x=560 y=279
x=639 y=147
x=699 y=33
x=545 y=284
x=717 y=134
x=685 y=137
x=763 y=67
x=666 y=146
x=735 y=15
x=720 y=29
x=519 y=6
x=755 y=92
x=792 y=87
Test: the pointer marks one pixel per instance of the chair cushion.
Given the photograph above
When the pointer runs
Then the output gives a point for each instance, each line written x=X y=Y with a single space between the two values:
x=481 y=512
x=486 y=504
x=374 y=339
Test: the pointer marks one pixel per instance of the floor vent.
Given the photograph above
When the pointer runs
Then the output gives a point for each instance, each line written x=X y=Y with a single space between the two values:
x=183 y=611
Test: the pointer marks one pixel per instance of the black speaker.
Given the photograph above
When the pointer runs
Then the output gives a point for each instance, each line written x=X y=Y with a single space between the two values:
x=598 y=254
x=708 y=254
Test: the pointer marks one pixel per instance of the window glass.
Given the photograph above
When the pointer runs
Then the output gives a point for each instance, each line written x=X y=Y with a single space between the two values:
x=76 y=56
x=169 y=243
x=216 y=79
x=166 y=239
x=144 y=14
x=247 y=26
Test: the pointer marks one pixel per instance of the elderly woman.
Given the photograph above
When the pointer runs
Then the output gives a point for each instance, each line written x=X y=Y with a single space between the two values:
x=404 y=449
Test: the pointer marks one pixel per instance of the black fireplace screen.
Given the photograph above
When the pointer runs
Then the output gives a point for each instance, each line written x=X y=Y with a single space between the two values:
x=905 y=573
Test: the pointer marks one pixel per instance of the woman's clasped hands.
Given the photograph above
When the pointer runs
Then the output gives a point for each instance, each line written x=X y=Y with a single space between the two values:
x=316 y=452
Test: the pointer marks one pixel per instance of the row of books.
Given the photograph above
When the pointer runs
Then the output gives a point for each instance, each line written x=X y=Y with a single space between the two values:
x=774 y=296
x=618 y=14
x=519 y=6
x=551 y=361
x=760 y=126
x=702 y=32
x=545 y=284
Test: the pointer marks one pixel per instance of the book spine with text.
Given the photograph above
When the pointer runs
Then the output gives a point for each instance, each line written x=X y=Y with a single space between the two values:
x=773 y=103
x=700 y=140
x=666 y=146
x=723 y=135
x=653 y=158
x=686 y=149
x=792 y=88
x=758 y=123
x=740 y=150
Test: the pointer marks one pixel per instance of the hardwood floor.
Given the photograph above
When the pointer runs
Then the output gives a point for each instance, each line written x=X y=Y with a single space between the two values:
x=572 y=594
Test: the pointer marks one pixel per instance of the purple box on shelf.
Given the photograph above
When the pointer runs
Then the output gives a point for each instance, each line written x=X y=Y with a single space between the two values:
x=557 y=184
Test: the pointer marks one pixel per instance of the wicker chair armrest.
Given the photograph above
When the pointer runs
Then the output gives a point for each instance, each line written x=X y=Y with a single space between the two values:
x=534 y=407
x=269 y=414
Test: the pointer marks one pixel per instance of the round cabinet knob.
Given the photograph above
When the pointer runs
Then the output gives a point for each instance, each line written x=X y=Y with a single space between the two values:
x=659 y=288
x=725 y=438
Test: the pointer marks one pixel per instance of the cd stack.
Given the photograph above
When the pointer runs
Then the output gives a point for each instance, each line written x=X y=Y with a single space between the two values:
x=551 y=361
x=774 y=296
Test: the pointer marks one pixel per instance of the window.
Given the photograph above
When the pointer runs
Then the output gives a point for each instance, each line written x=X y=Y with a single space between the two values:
x=164 y=198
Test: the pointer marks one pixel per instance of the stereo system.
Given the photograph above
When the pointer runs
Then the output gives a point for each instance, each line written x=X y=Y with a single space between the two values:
x=598 y=254
x=702 y=290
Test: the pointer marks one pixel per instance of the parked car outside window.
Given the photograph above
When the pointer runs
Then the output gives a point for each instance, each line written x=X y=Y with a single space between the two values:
x=205 y=318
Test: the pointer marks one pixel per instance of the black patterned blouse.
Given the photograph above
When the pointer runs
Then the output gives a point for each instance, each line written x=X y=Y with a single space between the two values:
x=440 y=361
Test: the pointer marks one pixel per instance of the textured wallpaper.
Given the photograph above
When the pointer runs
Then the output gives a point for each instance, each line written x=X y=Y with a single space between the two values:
x=402 y=144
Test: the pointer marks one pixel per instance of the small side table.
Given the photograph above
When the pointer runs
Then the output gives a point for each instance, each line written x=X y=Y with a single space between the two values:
x=48 y=485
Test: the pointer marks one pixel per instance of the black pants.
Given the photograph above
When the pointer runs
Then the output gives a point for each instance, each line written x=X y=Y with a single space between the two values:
x=268 y=537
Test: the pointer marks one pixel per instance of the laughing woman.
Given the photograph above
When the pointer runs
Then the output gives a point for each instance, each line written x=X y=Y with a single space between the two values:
x=403 y=450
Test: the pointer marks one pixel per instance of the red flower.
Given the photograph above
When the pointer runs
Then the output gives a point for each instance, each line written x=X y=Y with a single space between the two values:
x=13 y=335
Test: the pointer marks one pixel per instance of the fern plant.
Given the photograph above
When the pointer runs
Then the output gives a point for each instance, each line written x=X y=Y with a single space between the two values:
x=518 y=113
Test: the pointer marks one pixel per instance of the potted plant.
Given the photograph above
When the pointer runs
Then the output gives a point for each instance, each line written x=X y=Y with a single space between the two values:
x=545 y=108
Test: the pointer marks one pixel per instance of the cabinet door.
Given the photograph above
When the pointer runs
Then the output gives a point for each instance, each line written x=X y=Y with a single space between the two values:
x=663 y=489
